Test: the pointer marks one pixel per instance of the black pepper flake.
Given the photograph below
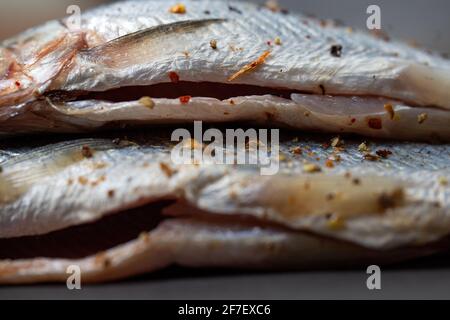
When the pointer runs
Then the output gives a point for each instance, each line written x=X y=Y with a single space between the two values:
x=392 y=200
x=234 y=9
x=384 y=153
x=322 y=89
x=336 y=50
x=207 y=12
x=87 y=152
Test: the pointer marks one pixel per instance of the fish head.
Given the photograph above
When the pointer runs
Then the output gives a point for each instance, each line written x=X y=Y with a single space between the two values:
x=30 y=65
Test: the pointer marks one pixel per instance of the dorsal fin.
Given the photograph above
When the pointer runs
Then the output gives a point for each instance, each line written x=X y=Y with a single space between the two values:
x=139 y=45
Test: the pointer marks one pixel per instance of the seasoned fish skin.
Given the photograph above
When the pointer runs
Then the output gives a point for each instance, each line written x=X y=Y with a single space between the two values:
x=139 y=43
x=299 y=63
x=355 y=209
x=40 y=196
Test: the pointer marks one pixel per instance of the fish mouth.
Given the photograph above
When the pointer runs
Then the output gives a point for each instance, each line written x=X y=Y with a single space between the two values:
x=110 y=231
x=168 y=90
x=183 y=102
x=96 y=238
x=86 y=239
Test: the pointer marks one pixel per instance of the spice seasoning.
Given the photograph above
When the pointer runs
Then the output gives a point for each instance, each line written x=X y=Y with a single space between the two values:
x=250 y=66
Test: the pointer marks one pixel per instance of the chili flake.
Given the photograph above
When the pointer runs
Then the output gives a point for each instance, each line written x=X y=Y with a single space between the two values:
x=178 y=9
x=174 y=77
x=185 y=99
x=297 y=150
x=213 y=44
x=278 y=41
x=250 y=66
x=329 y=163
x=166 y=169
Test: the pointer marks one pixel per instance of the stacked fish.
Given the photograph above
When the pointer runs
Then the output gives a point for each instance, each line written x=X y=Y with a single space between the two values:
x=87 y=177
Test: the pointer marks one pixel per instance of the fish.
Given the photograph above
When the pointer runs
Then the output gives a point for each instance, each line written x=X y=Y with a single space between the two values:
x=118 y=206
x=141 y=63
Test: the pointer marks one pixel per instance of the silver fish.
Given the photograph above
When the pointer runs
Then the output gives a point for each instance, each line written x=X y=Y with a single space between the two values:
x=236 y=63
x=355 y=211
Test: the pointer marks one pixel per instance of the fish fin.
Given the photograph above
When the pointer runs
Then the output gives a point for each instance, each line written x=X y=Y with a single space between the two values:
x=141 y=45
x=22 y=172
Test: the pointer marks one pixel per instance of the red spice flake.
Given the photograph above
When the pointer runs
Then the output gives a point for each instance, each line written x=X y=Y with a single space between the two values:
x=17 y=83
x=352 y=121
x=178 y=9
x=297 y=150
x=250 y=66
x=329 y=163
x=384 y=153
x=232 y=102
x=174 y=77
x=166 y=169
x=375 y=123
x=185 y=99
x=269 y=43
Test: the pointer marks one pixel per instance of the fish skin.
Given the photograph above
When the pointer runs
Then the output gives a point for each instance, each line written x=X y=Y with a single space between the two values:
x=143 y=173
x=105 y=54
x=46 y=203
x=300 y=59
x=196 y=243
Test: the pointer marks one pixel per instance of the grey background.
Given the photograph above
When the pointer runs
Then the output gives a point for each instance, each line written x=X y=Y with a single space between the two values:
x=426 y=22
